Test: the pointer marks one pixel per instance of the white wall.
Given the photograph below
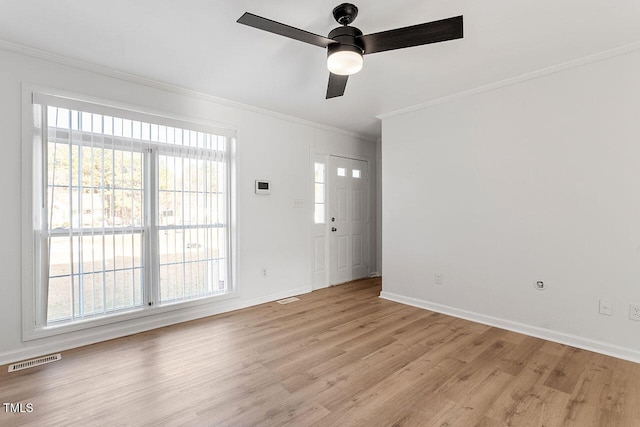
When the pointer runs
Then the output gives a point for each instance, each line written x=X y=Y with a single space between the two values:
x=535 y=181
x=271 y=232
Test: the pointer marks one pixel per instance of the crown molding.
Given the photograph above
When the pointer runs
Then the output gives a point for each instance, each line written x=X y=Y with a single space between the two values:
x=618 y=51
x=167 y=87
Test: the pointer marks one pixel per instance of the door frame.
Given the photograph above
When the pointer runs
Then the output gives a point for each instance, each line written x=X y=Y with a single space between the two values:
x=320 y=279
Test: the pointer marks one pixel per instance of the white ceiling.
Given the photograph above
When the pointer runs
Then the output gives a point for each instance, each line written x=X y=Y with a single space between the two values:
x=197 y=44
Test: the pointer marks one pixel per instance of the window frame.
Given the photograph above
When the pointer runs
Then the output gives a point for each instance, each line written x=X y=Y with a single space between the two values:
x=315 y=184
x=33 y=182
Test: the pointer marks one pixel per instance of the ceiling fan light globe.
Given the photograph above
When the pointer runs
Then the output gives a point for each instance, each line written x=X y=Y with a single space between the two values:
x=344 y=63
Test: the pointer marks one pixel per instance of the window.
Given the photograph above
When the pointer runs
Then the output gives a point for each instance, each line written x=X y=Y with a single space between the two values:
x=132 y=211
x=342 y=172
x=355 y=173
x=319 y=193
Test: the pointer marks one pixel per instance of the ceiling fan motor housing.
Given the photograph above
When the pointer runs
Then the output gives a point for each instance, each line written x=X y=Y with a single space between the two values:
x=347 y=39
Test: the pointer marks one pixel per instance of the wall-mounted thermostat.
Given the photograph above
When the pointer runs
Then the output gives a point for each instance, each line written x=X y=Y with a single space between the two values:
x=263 y=187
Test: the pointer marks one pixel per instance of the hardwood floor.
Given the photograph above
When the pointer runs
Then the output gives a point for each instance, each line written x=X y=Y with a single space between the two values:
x=339 y=356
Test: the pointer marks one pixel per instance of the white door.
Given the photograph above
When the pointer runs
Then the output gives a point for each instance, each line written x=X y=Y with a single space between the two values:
x=348 y=219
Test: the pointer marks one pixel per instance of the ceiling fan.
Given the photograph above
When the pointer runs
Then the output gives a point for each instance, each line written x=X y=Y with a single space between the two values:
x=346 y=45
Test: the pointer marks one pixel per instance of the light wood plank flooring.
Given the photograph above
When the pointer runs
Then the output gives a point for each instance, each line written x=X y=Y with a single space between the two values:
x=340 y=356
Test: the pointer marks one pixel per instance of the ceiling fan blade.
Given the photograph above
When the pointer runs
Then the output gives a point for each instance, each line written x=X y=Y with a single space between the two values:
x=337 y=85
x=284 y=30
x=415 y=35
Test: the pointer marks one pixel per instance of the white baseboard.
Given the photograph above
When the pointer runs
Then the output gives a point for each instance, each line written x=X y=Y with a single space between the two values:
x=534 y=331
x=61 y=342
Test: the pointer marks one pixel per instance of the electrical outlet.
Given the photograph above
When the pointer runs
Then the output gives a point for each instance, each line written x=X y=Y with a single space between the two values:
x=606 y=307
x=634 y=312
x=437 y=278
x=264 y=271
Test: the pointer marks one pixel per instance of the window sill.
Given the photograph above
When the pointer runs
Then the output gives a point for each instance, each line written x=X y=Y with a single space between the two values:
x=122 y=317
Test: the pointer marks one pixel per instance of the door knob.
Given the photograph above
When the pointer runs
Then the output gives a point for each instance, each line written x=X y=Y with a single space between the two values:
x=334 y=229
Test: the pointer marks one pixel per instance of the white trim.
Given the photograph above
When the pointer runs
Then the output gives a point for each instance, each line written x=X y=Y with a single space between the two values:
x=144 y=324
x=534 y=331
x=27 y=218
x=156 y=84
x=233 y=174
x=618 y=51
x=326 y=152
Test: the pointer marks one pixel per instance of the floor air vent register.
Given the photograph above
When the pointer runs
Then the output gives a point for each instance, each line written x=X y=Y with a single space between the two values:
x=288 y=300
x=34 y=362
